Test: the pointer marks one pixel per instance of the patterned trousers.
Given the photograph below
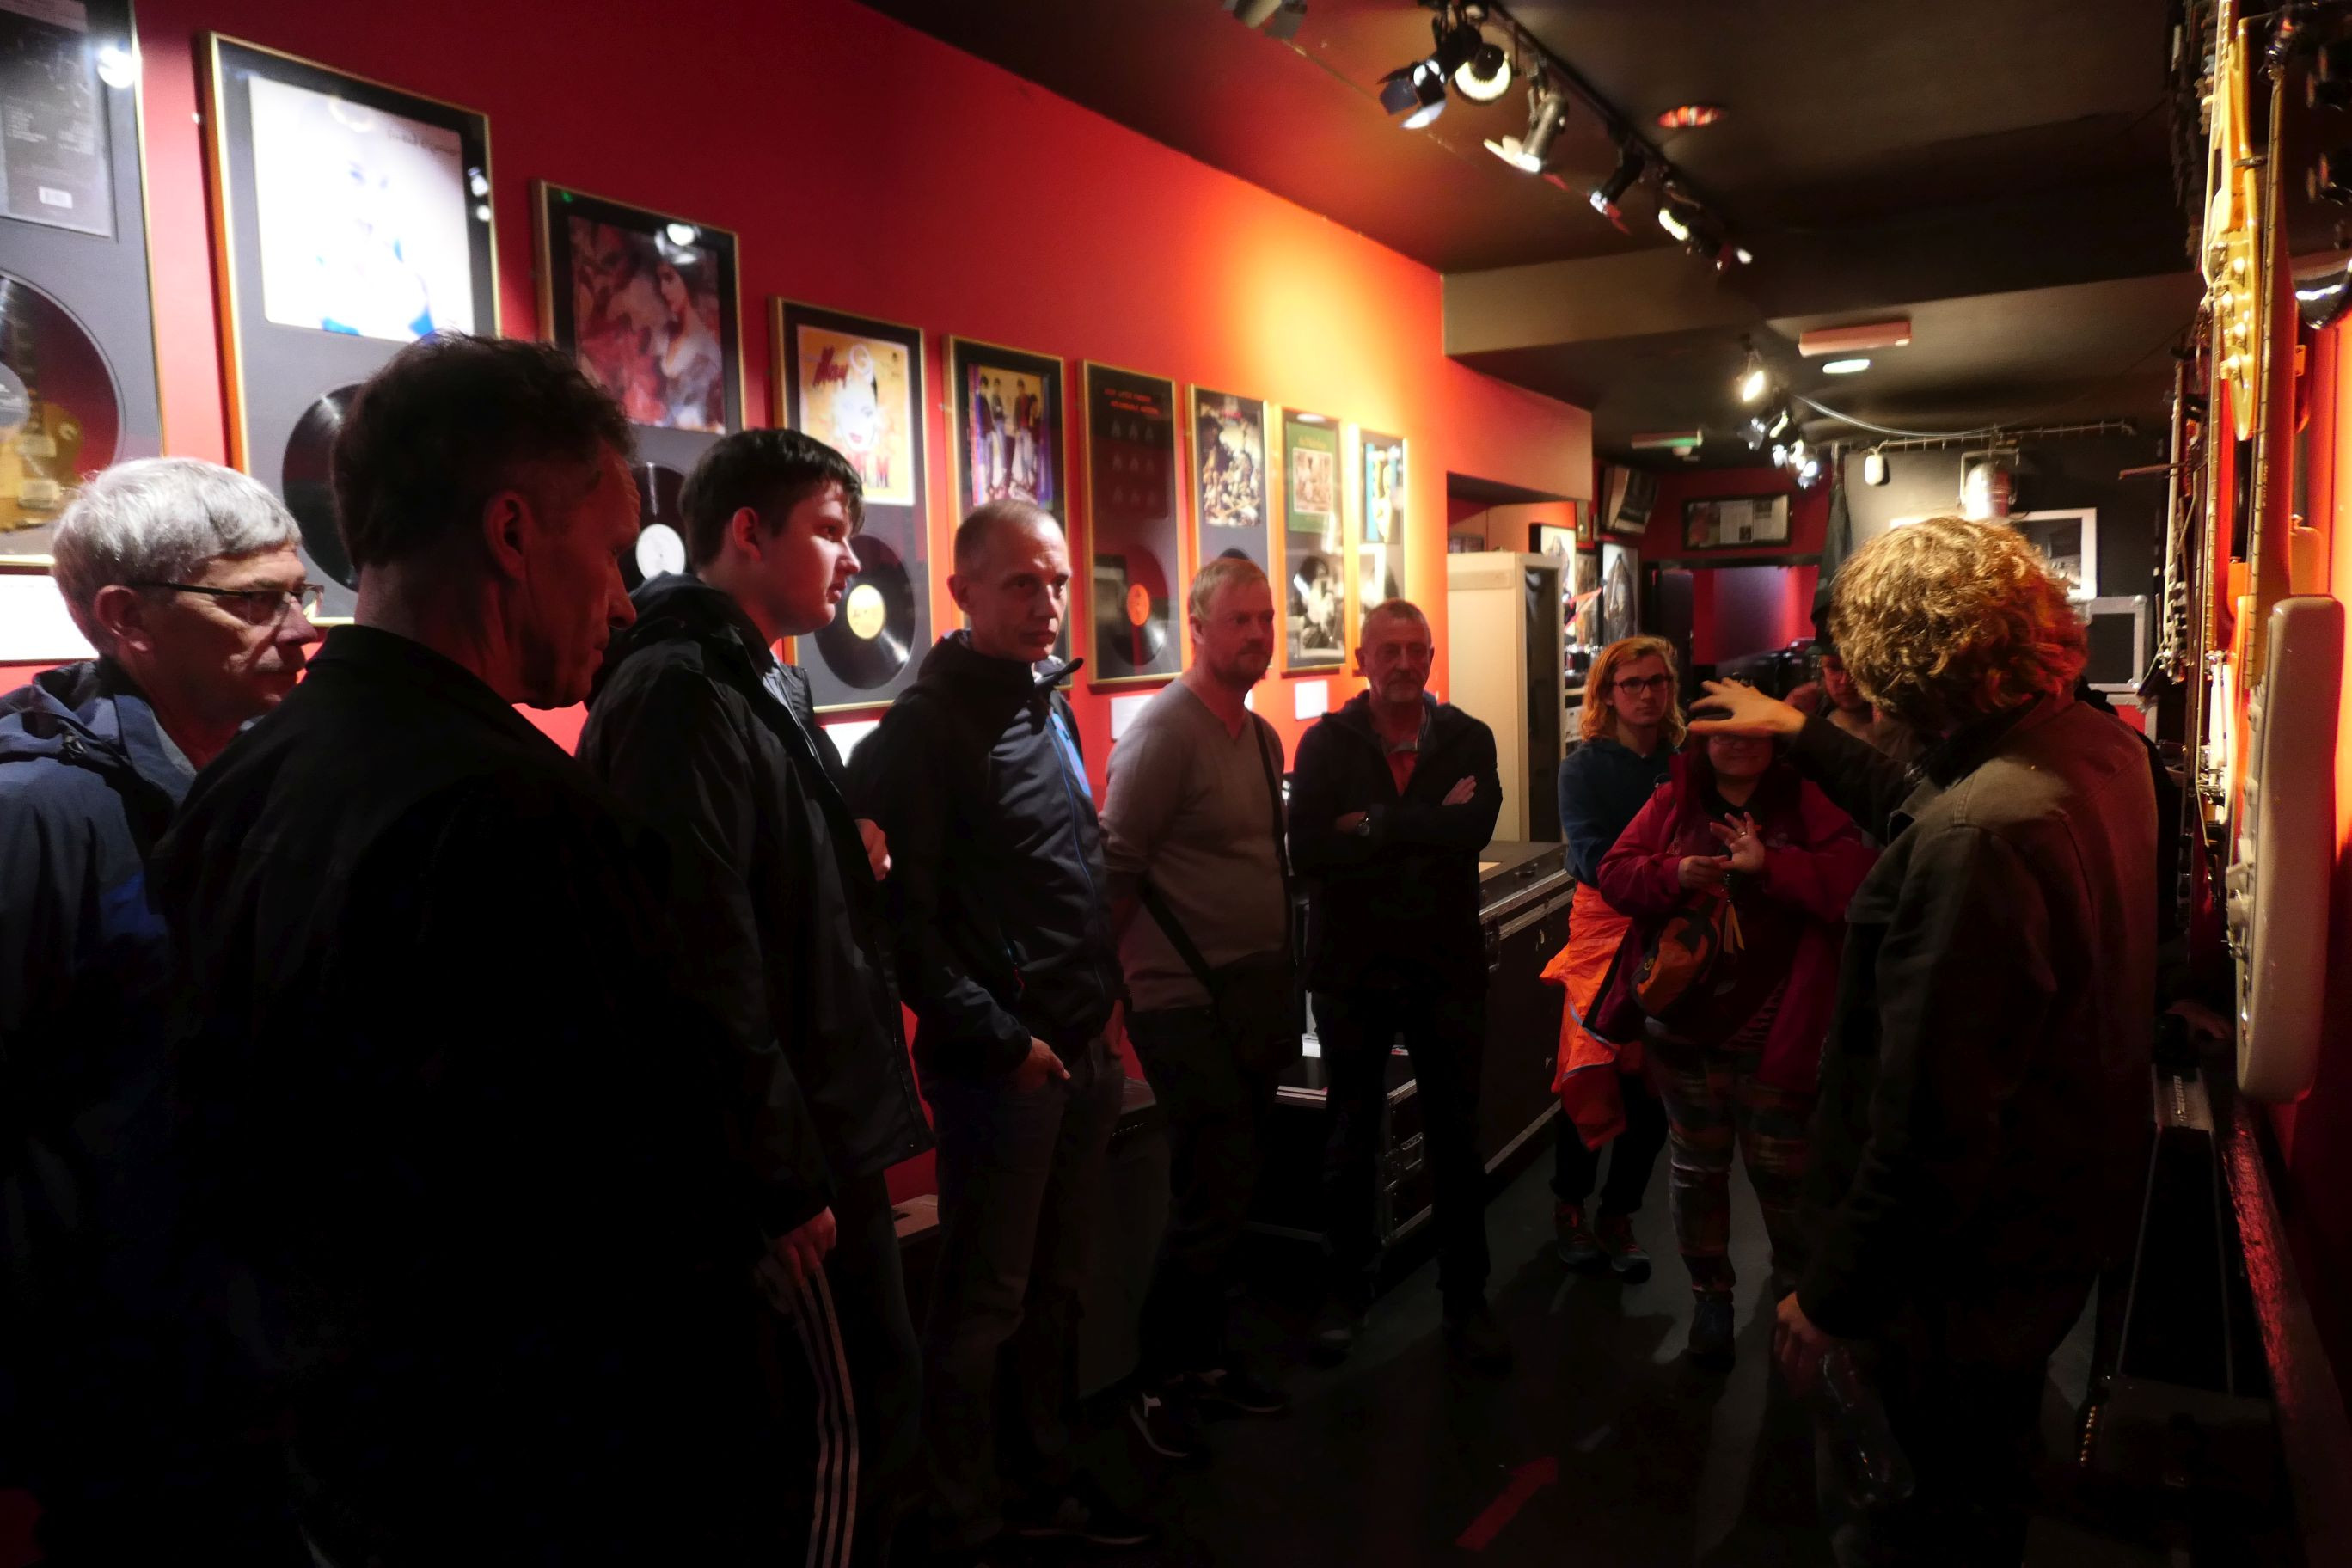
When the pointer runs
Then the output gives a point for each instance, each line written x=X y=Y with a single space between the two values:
x=1715 y=1101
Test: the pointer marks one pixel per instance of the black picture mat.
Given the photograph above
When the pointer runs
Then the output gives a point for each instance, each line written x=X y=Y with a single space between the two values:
x=99 y=282
x=1135 y=533
x=552 y=207
x=963 y=355
x=278 y=374
x=1213 y=470
x=893 y=546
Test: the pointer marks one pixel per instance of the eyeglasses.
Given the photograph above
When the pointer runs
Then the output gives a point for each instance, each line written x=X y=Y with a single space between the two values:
x=1635 y=685
x=255 y=606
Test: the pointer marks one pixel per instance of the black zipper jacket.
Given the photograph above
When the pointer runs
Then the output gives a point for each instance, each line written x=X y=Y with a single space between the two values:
x=770 y=885
x=996 y=886
x=1398 y=903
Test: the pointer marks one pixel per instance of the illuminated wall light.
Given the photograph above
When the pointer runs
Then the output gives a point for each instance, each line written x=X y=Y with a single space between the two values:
x=116 y=66
x=1845 y=367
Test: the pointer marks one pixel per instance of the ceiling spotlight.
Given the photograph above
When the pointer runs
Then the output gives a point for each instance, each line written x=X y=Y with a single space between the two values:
x=1781 y=420
x=1845 y=367
x=1485 y=76
x=1780 y=457
x=1457 y=41
x=1809 y=470
x=1547 y=113
x=1685 y=116
x=1417 y=91
x=1609 y=192
x=1755 y=380
x=1797 y=452
x=1676 y=215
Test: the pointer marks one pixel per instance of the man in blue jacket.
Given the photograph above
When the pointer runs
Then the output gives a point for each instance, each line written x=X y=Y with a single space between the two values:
x=185 y=579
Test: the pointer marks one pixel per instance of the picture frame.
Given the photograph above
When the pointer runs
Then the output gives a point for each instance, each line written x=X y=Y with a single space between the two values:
x=1621 y=592
x=1135 y=542
x=1735 y=522
x=1381 y=512
x=1232 y=469
x=1587 y=531
x=1550 y=538
x=77 y=302
x=856 y=384
x=350 y=218
x=2069 y=541
x=1313 y=544
x=971 y=364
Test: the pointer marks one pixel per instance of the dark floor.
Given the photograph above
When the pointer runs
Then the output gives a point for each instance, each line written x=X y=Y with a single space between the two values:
x=1615 y=1450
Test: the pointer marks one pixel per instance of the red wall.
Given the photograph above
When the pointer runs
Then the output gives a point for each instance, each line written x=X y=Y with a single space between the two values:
x=1809 y=516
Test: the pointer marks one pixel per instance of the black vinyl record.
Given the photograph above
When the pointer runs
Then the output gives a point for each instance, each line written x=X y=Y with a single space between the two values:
x=61 y=416
x=307 y=480
x=1132 y=623
x=872 y=635
x=661 y=526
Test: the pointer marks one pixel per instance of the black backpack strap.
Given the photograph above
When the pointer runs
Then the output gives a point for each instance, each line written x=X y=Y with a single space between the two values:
x=1178 y=937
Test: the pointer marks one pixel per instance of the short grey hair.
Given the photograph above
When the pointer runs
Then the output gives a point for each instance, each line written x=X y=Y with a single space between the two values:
x=1393 y=610
x=160 y=520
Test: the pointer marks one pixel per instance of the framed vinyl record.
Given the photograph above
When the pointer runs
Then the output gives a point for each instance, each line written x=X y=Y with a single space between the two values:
x=1313 y=544
x=78 y=382
x=856 y=385
x=1134 y=537
x=1230 y=492
x=1380 y=552
x=350 y=219
x=1005 y=431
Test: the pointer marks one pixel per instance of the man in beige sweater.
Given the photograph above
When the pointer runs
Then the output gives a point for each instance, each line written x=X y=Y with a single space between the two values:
x=1192 y=825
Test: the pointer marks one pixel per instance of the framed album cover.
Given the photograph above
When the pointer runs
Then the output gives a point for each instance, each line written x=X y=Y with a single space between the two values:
x=1313 y=544
x=351 y=218
x=1380 y=554
x=1005 y=432
x=856 y=385
x=1230 y=493
x=1134 y=535
x=77 y=382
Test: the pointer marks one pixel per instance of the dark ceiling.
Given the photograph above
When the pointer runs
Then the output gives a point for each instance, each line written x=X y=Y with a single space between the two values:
x=2000 y=170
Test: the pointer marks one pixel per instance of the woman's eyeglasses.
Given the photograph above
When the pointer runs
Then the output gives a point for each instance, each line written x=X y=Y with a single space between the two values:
x=1635 y=685
x=255 y=606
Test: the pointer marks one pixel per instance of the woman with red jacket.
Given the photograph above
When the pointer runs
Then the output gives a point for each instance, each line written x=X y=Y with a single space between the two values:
x=1738 y=1057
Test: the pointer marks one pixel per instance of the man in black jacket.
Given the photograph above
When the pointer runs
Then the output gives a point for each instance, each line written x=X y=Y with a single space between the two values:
x=1006 y=952
x=1391 y=800
x=1980 y=1144
x=696 y=725
x=457 y=1138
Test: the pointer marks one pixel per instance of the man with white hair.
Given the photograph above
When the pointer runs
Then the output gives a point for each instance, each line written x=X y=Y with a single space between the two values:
x=184 y=577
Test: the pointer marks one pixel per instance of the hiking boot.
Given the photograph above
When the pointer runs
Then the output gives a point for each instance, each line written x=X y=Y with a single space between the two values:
x=1710 y=1334
x=1577 y=1246
x=1233 y=1389
x=1626 y=1258
x=1163 y=1418
x=1472 y=1333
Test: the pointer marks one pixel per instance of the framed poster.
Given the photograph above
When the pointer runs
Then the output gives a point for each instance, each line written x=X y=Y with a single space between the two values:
x=1314 y=542
x=1135 y=539
x=1735 y=522
x=1547 y=539
x=352 y=218
x=2069 y=541
x=1380 y=554
x=856 y=385
x=78 y=383
x=1621 y=592
x=1005 y=432
x=1230 y=493
x=1584 y=619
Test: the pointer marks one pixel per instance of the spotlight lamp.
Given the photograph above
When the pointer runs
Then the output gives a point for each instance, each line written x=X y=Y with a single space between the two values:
x=1676 y=215
x=1781 y=420
x=1417 y=91
x=1754 y=381
x=1547 y=113
x=1485 y=76
x=1457 y=41
x=1611 y=191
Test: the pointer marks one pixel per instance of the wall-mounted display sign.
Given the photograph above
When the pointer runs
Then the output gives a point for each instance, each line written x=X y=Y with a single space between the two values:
x=856 y=385
x=354 y=218
x=1314 y=543
x=1134 y=534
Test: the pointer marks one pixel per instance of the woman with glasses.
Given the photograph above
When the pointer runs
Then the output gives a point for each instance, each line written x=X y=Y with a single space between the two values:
x=1631 y=725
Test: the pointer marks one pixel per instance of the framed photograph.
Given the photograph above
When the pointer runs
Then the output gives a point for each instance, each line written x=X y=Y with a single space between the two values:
x=1584 y=616
x=77 y=382
x=1621 y=592
x=856 y=385
x=1007 y=425
x=1380 y=554
x=1231 y=496
x=1313 y=544
x=1547 y=539
x=2069 y=541
x=1135 y=538
x=1735 y=522
x=352 y=218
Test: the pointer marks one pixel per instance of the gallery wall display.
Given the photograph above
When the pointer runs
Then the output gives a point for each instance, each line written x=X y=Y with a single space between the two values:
x=1380 y=554
x=351 y=218
x=1734 y=522
x=1313 y=544
x=1230 y=491
x=1135 y=536
x=1005 y=432
x=856 y=385
x=78 y=383
x=1621 y=592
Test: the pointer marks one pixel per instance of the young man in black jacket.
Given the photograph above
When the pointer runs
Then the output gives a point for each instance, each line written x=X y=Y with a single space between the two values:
x=1008 y=959
x=472 y=1163
x=1980 y=1144
x=697 y=725
x=1390 y=800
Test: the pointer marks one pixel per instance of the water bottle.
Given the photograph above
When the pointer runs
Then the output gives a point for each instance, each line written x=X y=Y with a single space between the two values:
x=1872 y=1467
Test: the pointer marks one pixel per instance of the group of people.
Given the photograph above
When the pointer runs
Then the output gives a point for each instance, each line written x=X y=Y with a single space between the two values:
x=423 y=1145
